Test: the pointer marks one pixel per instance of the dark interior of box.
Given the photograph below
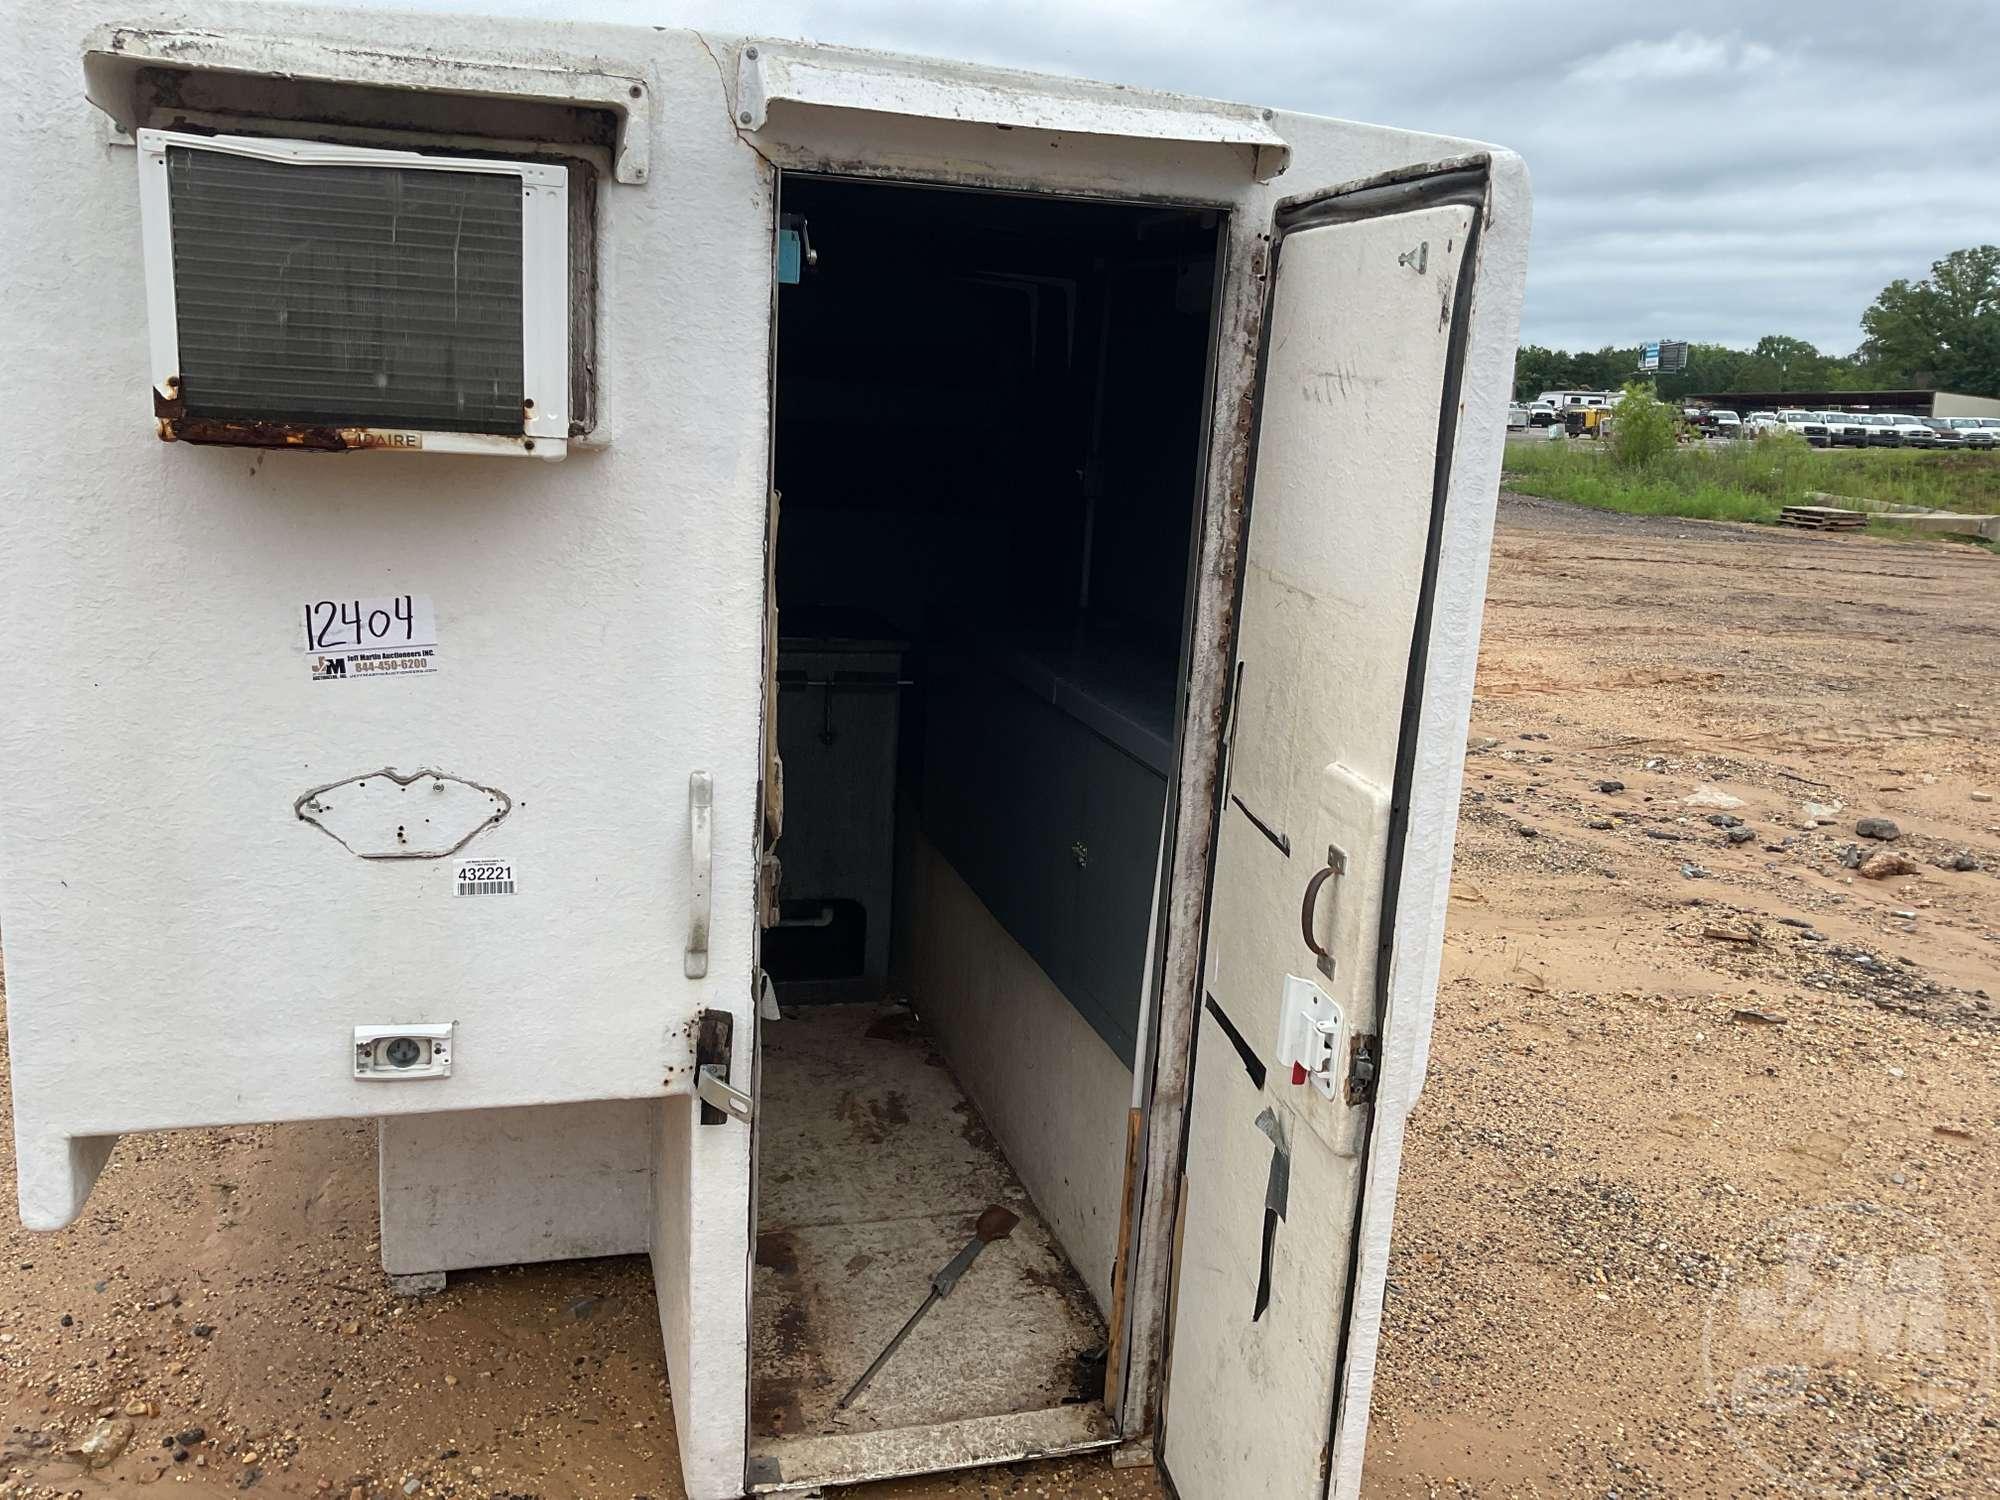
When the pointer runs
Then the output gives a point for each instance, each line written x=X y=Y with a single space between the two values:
x=989 y=416
x=989 y=420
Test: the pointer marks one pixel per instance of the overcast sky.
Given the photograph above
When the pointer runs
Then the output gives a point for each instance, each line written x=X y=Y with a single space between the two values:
x=1702 y=170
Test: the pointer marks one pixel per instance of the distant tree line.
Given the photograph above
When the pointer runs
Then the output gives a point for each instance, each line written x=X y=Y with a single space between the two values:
x=1940 y=333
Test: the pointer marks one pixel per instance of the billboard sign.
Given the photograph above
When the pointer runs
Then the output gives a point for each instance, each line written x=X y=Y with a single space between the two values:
x=1661 y=357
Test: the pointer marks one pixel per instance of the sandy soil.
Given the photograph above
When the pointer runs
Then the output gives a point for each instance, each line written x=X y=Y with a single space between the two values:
x=1629 y=1122
x=1701 y=1194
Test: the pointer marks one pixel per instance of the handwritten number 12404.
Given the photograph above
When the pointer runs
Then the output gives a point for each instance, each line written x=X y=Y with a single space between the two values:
x=358 y=624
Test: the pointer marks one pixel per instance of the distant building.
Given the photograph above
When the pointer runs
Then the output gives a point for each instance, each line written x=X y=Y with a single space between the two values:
x=1951 y=404
x=1916 y=403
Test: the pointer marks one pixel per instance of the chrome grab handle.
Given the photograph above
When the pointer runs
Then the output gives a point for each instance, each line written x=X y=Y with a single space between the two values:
x=701 y=840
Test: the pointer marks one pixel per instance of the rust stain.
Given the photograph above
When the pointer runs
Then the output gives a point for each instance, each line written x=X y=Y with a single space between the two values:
x=794 y=1330
x=775 y=1399
x=870 y=1118
x=898 y=1026
x=302 y=435
x=774 y=1406
x=778 y=1251
x=904 y=1026
x=974 y=1133
x=176 y=426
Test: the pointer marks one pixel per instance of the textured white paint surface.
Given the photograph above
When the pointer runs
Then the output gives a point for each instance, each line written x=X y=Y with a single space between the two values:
x=1054 y=1095
x=883 y=83
x=182 y=950
x=501 y=1187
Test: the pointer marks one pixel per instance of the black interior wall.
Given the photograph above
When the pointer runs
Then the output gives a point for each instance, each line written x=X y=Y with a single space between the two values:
x=955 y=377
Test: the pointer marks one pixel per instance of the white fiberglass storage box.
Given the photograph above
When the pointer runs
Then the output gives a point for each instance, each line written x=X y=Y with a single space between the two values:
x=351 y=768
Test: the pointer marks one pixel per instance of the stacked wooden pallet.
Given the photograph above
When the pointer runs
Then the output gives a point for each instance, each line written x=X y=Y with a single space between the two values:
x=1823 y=518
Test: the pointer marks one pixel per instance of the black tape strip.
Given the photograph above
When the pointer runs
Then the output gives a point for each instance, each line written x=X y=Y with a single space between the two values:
x=1252 y=1063
x=1264 y=1264
x=1282 y=841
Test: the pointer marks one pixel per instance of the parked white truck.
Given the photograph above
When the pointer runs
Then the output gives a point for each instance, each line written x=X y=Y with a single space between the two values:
x=404 y=626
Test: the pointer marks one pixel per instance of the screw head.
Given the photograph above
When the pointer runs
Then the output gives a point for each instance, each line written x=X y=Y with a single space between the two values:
x=751 y=53
x=744 y=118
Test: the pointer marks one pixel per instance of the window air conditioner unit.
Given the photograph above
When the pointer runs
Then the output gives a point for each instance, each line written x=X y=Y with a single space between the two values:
x=332 y=297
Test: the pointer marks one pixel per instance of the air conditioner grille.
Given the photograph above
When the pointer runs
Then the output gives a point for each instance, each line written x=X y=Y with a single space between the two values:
x=347 y=295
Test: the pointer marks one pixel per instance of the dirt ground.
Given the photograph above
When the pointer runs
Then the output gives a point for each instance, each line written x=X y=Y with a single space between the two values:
x=1701 y=1198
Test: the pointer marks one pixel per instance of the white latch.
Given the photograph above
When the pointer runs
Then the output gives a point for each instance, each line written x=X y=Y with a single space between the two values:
x=1311 y=1035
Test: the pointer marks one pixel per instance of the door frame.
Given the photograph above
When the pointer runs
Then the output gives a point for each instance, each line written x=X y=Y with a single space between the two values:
x=1140 y=1303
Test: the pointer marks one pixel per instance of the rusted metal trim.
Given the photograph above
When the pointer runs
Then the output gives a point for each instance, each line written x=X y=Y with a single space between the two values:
x=1194 y=810
x=176 y=426
x=301 y=435
x=1121 y=1264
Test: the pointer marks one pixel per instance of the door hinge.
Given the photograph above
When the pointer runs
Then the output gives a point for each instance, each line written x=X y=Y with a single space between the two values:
x=1364 y=1066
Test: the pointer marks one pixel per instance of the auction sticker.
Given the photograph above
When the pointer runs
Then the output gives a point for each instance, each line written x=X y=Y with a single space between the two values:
x=395 y=636
x=484 y=877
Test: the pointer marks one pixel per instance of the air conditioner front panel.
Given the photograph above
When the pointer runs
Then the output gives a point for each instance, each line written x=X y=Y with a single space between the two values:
x=353 y=295
x=315 y=295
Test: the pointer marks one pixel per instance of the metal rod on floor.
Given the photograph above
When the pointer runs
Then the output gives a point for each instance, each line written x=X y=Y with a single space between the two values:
x=883 y=1358
x=995 y=1224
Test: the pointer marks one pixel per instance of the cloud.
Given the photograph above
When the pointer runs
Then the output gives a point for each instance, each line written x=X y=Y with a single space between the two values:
x=1706 y=170
x=1687 y=54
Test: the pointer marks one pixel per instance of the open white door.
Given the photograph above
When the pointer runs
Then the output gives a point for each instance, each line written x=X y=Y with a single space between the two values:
x=1358 y=395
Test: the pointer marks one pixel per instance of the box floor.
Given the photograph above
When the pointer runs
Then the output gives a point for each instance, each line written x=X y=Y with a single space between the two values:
x=873 y=1168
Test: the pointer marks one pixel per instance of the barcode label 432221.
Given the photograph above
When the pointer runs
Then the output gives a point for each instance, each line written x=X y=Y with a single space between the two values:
x=484 y=877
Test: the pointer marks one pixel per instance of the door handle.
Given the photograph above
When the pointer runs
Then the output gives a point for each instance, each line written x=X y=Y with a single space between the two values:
x=1336 y=864
x=717 y=1092
x=701 y=841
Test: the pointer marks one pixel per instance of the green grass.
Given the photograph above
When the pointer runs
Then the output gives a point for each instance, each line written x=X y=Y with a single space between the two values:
x=1751 y=480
